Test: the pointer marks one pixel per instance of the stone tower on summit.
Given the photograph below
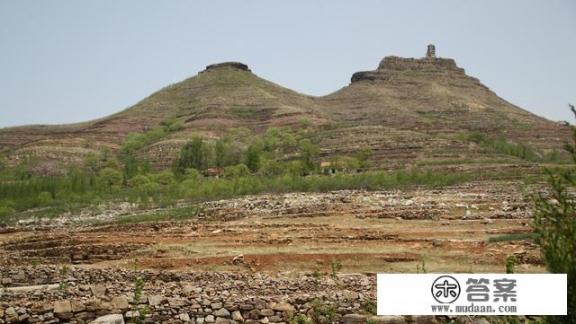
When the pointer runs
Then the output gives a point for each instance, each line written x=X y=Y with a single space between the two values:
x=431 y=51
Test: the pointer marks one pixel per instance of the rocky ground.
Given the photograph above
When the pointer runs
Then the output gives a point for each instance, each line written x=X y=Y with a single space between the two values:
x=260 y=259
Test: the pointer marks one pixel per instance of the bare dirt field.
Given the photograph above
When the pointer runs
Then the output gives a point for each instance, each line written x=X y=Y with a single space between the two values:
x=455 y=229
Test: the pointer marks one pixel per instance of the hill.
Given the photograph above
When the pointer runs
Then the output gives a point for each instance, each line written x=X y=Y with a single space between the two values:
x=407 y=108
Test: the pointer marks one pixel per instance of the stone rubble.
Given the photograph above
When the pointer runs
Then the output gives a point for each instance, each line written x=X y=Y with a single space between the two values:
x=411 y=204
x=105 y=296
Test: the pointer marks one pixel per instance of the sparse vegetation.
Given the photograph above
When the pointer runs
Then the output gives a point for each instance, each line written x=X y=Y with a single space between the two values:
x=323 y=312
x=139 y=313
x=165 y=215
x=335 y=267
x=301 y=319
x=369 y=306
x=511 y=237
x=63 y=270
x=421 y=266
x=510 y=264
x=136 y=141
x=503 y=146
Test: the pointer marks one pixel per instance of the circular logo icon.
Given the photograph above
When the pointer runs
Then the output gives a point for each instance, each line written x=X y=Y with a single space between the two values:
x=445 y=289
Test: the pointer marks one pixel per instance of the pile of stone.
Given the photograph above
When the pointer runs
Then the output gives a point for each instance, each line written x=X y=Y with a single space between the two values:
x=83 y=295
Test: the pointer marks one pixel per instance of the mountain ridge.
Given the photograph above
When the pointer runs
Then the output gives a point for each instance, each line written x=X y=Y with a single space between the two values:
x=430 y=95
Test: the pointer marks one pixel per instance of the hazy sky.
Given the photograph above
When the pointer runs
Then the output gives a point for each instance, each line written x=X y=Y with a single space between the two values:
x=68 y=60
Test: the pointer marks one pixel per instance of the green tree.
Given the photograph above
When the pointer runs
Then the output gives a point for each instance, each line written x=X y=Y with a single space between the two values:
x=272 y=168
x=138 y=181
x=253 y=156
x=308 y=155
x=130 y=165
x=192 y=155
x=362 y=156
x=2 y=162
x=44 y=198
x=5 y=210
x=220 y=154
x=235 y=171
x=165 y=177
x=108 y=178
x=555 y=227
x=92 y=164
x=192 y=174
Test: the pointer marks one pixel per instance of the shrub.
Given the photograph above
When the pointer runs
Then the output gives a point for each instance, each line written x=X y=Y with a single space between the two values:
x=369 y=306
x=44 y=198
x=323 y=312
x=192 y=174
x=503 y=146
x=294 y=168
x=108 y=178
x=510 y=264
x=555 y=227
x=138 y=181
x=362 y=156
x=6 y=211
x=235 y=171
x=308 y=155
x=301 y=319
x=164 y=178
x=253 y=157
x=272 y=168
x=192 y=155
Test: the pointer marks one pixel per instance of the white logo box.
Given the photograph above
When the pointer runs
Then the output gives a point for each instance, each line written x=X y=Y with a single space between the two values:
x=471 y=294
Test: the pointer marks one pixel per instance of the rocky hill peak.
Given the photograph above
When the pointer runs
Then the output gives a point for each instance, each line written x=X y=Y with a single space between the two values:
x=225 y=65
x=394 y=65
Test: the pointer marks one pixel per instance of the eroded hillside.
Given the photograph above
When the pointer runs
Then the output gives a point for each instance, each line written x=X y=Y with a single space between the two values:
x=407 y=108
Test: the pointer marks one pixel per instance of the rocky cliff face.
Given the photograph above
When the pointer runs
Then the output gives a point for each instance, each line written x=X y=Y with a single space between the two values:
x=393 y=66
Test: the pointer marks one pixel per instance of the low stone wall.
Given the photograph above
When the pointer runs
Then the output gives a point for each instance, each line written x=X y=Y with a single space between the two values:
x=77 y=295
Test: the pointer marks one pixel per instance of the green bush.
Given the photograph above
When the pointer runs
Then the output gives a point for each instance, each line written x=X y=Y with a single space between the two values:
x=323 y=312
x=192 y=174
x=236 y=171
x=503 y=146
x=301 y=319
x=6 y=211
x=193 y=156
x=555 y=227
x=109 y=178
x=308 y=155
x=164 y=178
x=272 y=168
x=45 y=198
x=138 y=181
x=253 y=157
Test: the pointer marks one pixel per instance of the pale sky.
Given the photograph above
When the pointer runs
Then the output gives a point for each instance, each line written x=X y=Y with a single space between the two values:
x=67 y=61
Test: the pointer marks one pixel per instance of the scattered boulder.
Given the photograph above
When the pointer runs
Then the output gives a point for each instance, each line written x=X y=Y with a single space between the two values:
x=156 y=300
x=98 y=291
x=353 y=319
x=266 y=312
x=237 y=316
x=62 y=307
x=109 y=319
x=184 y=317
x=388 y=319
x=119 y=302
x=283 y=307
x=222 y=312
